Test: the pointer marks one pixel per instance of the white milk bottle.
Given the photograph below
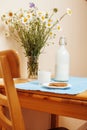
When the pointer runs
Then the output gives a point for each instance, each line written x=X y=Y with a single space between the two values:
x=62 y=62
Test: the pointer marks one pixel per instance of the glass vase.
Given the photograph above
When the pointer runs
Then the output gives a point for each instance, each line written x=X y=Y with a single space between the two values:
x=32 y=67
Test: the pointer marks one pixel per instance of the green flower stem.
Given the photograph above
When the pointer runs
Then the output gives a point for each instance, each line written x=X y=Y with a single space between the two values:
x=62 y=17
x=47 y=34
x=32 y=66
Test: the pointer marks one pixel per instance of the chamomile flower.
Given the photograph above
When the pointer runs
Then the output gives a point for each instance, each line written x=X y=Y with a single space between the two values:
x=59 y=28
x=69 y=11
x=50 y=20
x=51 y=33
x=6 y=34
x=20 y=15
x=28 y=16
x=25 y=20
x=49 y=24
x=43 y=17
x=55 y=10
x=39 y=13
x=10 y=14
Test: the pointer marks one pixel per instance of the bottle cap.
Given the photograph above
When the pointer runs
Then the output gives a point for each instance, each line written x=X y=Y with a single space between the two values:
x=62 y=41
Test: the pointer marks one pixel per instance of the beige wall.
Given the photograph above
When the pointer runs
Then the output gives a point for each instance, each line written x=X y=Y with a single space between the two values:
x=75 y=30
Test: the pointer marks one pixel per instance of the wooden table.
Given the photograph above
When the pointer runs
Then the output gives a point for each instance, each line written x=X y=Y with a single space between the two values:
x=56 y=104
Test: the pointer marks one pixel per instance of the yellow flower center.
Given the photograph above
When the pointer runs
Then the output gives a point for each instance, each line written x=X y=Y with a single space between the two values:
x=25 y=19
x=51 y=33
x=10 y=14
x=49 y=24
x=49 y=20
x=21 y=15
x=28 y=16
x=43 y=17
x=69 y=11
x=58 y=27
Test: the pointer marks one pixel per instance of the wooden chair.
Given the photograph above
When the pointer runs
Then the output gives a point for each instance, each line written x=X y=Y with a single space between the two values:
x=14 y=62
x=10 y=100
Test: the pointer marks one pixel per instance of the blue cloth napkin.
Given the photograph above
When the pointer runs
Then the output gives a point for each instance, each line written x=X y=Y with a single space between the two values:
x=78 y=85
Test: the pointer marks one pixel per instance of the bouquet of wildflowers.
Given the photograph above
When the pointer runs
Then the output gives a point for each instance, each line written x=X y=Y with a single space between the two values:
x=32 y=28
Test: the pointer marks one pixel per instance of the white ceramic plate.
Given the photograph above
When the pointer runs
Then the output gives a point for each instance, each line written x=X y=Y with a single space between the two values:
x=59 y=87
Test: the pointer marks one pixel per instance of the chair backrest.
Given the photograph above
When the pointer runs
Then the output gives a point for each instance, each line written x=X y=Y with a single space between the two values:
x=10 y=100
x=14 y=62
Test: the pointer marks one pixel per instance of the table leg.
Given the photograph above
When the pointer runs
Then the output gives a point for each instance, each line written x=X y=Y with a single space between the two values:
x=54 y=120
